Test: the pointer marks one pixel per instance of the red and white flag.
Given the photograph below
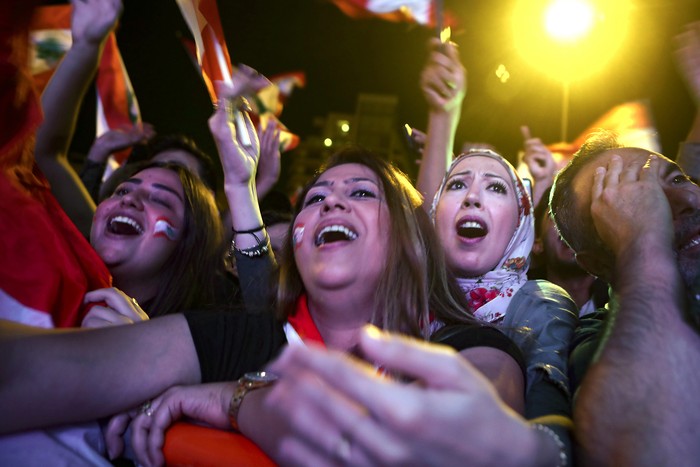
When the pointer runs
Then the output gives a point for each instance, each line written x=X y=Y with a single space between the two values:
x=633 y=124
x=423 y=12
x=202 y=18
x=117 y=107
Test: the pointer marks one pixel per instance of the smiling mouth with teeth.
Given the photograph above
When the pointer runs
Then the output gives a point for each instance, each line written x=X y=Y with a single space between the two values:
x=122 y=225
x=334 y=233
x=471 y=229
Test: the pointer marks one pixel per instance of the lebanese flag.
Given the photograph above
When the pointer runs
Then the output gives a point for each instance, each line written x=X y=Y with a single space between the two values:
x=211 y=54
x=268 y=103
x=424 y=12
x=49 y=40
x=632 y=122
x=271 y=99
x=117 y=106
x=202 y=18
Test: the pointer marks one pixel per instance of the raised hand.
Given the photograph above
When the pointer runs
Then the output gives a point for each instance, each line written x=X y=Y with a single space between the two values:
x=118 y=308
x=235 y=137
x=624 y=199
x=92 y=20
x=444 y=79
x=116 y=140
x=538 y=158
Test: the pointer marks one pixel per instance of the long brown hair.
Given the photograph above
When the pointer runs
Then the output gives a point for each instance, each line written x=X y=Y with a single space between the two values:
x=188 y=278
x=415 y=281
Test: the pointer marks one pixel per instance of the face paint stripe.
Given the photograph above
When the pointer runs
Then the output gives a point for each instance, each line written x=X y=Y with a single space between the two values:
x=163 y=228
x=298 y=235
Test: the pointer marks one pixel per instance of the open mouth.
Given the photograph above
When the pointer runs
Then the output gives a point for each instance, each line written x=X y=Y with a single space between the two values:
x=691 y=243
x=122 y=225
x=472 y=229
x=335 y=233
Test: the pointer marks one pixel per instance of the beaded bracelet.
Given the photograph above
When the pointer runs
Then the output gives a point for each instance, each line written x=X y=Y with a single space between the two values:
x=563 y=459
x=252 y=252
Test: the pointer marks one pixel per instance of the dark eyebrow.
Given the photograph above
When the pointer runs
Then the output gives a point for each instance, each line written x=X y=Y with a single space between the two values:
x=487 y=174
x=346 y=181
x=160 y=186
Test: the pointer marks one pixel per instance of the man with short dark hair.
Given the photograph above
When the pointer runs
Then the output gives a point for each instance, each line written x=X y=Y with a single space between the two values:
x=633 y=218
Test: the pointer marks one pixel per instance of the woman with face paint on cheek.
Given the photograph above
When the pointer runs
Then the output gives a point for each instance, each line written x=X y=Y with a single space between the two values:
x=160 y=236
x=358 y=207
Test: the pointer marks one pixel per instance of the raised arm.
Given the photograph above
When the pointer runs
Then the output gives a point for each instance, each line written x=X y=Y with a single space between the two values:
x=540 y=164
x=239 y=151
x=636 y=403
x=444 y=85
x=91 y=23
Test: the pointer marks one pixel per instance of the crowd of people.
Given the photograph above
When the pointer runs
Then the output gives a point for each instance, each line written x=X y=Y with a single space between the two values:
x=443 y=347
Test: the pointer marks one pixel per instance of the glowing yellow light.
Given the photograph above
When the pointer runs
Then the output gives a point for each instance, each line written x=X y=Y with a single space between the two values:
x=328 y=142
x=597 y=32
x=568 y=20
x=345 y=127
x=502 y=73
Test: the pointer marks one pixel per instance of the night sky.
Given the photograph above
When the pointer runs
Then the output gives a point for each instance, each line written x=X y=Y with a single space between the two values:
x=343 y=57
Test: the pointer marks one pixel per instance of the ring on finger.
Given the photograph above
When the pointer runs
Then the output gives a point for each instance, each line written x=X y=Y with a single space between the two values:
x=146 y=408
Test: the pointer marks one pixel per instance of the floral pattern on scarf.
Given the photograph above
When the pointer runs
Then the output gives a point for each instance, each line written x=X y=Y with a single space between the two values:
x=489 y=295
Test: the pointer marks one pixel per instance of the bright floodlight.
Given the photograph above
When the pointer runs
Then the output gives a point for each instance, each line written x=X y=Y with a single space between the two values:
x=569 y=20
x=570 y=39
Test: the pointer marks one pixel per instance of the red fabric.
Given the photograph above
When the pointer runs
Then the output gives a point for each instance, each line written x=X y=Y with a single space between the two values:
x=303 y=323
x=46 y=263
x=189 y=445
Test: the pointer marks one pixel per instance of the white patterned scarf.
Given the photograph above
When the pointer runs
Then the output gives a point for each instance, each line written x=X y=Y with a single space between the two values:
x=490 y=294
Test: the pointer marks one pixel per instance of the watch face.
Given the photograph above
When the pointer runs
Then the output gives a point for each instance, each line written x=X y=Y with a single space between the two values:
x=260 y=377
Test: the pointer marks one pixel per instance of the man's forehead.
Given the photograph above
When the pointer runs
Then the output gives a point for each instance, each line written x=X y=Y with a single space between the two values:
x=583 y=180
x=628 y=155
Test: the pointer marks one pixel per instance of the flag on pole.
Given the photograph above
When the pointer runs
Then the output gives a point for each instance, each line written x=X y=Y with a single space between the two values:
x=202 y=18
x=117 y=107
x=423 y=12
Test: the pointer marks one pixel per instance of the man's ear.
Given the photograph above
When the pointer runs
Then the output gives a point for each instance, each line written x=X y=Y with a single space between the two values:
x=592 y=263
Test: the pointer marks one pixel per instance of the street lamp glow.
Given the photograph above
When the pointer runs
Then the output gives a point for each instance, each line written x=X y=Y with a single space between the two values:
x=328 y=142
x=569 y=20
x=570 y=39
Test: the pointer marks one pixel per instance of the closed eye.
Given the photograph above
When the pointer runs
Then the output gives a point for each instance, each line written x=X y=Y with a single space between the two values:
x=160 y=201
